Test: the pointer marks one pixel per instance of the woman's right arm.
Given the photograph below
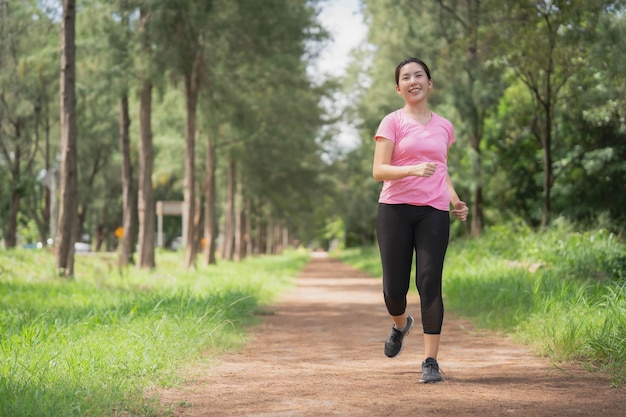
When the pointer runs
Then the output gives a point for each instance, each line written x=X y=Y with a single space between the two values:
x=382 y=170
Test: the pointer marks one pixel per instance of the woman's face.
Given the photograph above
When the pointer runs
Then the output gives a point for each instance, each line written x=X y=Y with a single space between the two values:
x=413 y=83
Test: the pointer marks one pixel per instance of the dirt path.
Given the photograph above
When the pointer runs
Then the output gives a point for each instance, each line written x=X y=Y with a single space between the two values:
x=321 y=354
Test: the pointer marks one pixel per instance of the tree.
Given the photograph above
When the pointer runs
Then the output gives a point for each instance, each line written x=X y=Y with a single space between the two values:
x=551 y=50
x=475 y=90
x=145 y=193
x=120 y=35
x=261 y=47
x=68 y=226
x=26 y=82
x=182 y=33
x=590 y=168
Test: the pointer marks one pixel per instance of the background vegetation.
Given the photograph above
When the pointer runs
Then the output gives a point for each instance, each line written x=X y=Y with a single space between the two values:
x=540 y=120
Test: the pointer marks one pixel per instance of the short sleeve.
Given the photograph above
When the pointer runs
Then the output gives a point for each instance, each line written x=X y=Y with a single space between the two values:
x=387 y=128
x=451 y=137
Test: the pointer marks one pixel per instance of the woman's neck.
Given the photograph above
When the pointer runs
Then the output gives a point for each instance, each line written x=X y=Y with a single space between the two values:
x=419 y=112
x=418 y=109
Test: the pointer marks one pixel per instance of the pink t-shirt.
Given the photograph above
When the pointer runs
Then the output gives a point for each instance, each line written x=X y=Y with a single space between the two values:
x=415 y=143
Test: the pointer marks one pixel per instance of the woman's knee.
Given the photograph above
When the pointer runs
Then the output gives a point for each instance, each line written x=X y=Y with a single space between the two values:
x=396 y=305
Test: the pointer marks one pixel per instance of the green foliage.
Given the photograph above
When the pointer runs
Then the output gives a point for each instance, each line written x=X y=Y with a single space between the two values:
x=560 y=291
x=28 y=79
x=496 y=92
x=93 y=346
x=254 y=92
x=259 y=105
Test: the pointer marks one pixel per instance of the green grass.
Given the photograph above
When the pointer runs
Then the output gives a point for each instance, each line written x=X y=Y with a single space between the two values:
x=560 y=291
x=94 y=345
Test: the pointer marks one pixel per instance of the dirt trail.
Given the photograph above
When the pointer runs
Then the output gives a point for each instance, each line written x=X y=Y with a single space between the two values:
x=321 y=354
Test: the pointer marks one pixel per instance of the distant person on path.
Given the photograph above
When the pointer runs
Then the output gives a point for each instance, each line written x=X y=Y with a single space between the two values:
x=413 y=209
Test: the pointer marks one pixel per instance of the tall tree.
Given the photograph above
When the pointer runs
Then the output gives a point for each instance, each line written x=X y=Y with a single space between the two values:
x=145 y=193
x=210 y=215
x=182 y=31
x=261 y=46
x=120 y=35
x=552 y=50
x=68 y=225
x=590 y=166
x=476 y=89
x=128 y=204
x=269 y=61
x=26 y=83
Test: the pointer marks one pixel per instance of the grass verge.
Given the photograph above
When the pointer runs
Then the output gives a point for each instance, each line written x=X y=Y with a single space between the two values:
x=93 y=345
x=560 y=291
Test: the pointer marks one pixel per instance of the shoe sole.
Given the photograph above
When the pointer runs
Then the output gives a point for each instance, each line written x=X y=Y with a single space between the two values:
x=421 y=381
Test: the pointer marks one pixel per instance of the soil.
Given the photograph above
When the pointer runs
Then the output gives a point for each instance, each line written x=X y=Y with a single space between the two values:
x=319 y=352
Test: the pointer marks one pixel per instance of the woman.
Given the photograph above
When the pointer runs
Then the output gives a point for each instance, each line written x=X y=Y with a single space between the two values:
x=413 y=209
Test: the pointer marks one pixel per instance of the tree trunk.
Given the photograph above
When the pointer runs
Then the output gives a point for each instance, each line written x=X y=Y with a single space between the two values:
x=248 y=228
x=477 y=203
x=210 y=218
x=198 y=220
x=269 y=236
x=50 y=180
x=258 y=233
x=69 y=175
x=145 y=194
x=285 y=238
x=276 y=238
x=548 y=173
x=477 y=212
x=10 y=239
x=128 y=195
x=229 y=226
x=40 y=203
x=239 y=222
x=191 y=94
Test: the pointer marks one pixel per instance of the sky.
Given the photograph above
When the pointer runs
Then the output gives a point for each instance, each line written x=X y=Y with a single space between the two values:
x=343 y=19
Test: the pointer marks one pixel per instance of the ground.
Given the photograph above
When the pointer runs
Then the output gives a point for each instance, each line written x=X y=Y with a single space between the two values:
x=319 y=352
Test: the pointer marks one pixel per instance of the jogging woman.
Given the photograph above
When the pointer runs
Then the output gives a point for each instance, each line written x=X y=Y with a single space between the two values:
x=410 y=159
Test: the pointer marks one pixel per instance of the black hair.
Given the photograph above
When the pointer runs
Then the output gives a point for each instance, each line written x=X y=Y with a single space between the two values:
x=407 y=61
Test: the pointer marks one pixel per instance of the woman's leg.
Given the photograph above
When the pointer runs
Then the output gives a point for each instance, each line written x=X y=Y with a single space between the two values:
x=395 y=242
x=431 y=345
x=431 y=242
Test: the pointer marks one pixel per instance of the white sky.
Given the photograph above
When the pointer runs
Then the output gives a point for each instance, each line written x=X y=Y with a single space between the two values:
x=343 y=19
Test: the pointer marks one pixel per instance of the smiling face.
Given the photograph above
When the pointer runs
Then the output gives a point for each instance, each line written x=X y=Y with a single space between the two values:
x=414 y=82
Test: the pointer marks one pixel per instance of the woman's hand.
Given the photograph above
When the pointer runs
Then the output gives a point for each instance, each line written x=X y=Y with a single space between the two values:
x=425 y=169
x=460 y=210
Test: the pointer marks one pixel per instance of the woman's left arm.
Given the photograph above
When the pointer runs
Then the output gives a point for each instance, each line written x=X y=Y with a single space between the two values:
x=460 y=209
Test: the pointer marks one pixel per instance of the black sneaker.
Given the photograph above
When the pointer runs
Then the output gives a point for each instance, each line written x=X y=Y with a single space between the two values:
x=393 y=344
x=430 y=371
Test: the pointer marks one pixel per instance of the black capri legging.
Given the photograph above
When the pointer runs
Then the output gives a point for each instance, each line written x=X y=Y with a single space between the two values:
x=402 y=229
